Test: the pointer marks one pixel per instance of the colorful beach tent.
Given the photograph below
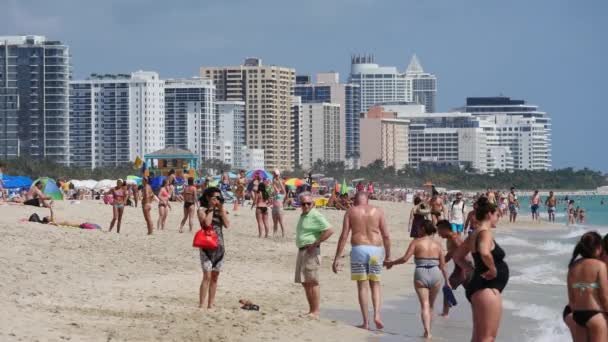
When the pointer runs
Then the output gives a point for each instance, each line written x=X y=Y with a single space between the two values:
x=17 y=182
x=133 y=180
x=49 y=188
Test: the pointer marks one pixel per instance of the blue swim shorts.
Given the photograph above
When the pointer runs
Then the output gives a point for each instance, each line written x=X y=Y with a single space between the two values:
x=457 y=227
x=366 y=262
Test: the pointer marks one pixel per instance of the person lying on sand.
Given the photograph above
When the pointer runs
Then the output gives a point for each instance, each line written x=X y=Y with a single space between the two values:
x=52 y=221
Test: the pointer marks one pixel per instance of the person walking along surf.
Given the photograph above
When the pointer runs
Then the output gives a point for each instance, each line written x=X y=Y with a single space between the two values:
x=371 y=247
x=212 y=215
x=429 y=273
x=489 y=275
x=189 y=195
x=585 y=313
x=312 y=230
x=119 y=195
x=457 y=214
x=513 y=205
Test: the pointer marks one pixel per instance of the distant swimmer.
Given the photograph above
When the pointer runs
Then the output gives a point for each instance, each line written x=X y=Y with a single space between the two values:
x=371 y=247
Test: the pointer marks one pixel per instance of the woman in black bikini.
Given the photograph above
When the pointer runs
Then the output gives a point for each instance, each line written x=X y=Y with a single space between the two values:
x=490 y=274
x=260 y=202
x=189 y=195
x=585 y=314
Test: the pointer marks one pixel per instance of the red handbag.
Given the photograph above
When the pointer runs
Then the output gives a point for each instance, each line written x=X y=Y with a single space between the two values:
x=206 y=238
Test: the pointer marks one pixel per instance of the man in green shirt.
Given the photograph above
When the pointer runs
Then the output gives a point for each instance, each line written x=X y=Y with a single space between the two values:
x=312 y=229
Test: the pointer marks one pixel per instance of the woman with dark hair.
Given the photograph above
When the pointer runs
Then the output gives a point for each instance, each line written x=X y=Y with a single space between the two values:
x=430 y=271
x=260 y=202
x=585 y=314
x=189 y=196
x=278 y=197
x=417 y=216
x=164 y=195
x=212 y=215
x=119 y=195
x=489 y=275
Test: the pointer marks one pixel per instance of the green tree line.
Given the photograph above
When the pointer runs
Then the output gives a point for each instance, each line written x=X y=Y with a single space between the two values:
x=34 y=168
x=456 y=178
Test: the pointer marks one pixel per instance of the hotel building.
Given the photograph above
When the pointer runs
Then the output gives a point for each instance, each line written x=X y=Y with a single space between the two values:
x=190 y=116
x=267 y=93
x=34 y=98
x=115 y=118
x=320 y=133
x=230 y=131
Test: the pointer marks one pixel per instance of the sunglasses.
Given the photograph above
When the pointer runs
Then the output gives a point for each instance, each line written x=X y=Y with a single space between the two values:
x=306 y=204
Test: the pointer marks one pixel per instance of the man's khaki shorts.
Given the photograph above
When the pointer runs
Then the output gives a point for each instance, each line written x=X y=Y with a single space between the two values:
x=307 y=266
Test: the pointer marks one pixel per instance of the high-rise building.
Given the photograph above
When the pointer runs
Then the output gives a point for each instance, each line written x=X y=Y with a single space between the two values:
x=230 y=131
x=320 y=133
x=297 y=111
x=329 y=89
x=115 y=118
x=267 y=92
x=519 y=127
x=190 y=116
x=34 y=92
x=377 y=84
x=421 y=86
x=384 y=84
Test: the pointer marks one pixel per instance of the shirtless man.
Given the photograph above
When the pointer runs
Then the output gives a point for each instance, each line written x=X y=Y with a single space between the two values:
x=35 y=197
x=535 y=205
x=458 y=276
x=491 y=196
x=437 y=208
x=551 y=203
x=371 y=247
x=146 y=204
x=513 y=205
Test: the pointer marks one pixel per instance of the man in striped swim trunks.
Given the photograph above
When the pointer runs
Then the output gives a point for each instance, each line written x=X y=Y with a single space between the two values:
x=371 y=247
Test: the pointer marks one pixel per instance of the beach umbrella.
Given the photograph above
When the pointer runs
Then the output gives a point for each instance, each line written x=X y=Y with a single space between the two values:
x=49 y=188
x=133 y=180
x=294 y=182
x=262 y=173
x=344 y=187
x=157 y=182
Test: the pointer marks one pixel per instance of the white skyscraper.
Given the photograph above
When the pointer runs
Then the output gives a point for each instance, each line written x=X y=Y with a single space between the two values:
x=190 y=116
x=421 y=86
x=115 y=118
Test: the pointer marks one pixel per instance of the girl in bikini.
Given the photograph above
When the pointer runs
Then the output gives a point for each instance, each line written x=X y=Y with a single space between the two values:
x=278 y=190
x=163 y=204
x=189 y=195
x=146 y=203
x=585 y=314
x=260 y=202
x=119 y=195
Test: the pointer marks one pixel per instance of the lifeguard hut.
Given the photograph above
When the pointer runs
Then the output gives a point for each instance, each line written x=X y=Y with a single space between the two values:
x=171 y=158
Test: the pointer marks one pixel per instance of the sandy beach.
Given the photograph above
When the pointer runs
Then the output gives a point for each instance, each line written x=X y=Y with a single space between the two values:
x=71 y=284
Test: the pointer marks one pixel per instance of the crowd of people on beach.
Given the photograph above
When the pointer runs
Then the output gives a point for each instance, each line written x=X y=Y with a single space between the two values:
x=465 y=223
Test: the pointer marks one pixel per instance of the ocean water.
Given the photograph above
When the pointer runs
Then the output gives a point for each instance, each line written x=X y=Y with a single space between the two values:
x=532 y=301
x=597 y=213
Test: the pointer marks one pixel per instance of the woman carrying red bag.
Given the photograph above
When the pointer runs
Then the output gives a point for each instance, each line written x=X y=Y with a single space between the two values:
x=212 y=215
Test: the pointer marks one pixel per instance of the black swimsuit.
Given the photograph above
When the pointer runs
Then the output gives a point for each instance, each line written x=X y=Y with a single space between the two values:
x=502 y=272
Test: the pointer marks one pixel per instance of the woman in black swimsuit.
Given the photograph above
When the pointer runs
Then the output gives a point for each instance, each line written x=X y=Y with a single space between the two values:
x=490 y=274
x=189 y=196
x=585 y=313
x=260 y=202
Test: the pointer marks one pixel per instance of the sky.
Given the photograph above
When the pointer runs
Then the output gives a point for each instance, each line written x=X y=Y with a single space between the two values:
x=551 y=53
